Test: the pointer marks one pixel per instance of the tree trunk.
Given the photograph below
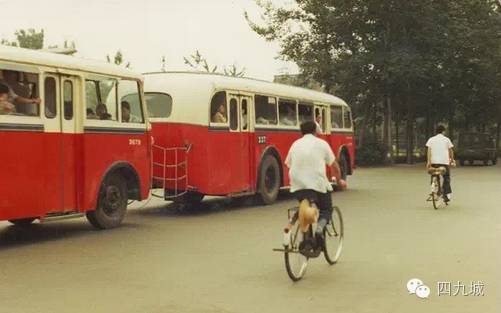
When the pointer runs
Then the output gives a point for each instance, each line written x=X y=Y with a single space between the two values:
x=387 y=139
x=397 y=138
x=498 y=134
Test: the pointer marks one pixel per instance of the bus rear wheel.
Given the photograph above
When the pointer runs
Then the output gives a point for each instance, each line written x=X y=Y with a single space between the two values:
x=111 y=203
x=23 y=221
x=344 y=166
x=269 y=180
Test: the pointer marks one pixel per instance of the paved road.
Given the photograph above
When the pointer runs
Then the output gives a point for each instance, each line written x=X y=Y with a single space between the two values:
x=221 y=261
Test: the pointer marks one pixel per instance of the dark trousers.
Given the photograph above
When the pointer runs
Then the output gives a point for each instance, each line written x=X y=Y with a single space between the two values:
x=322 y=200
x=446 y=185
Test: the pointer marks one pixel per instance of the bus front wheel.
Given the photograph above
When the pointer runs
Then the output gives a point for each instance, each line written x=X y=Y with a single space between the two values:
x=111 y=203
x=269 y=179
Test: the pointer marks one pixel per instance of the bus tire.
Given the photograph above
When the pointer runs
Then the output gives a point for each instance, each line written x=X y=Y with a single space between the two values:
x=23 y=222
x=111 y=203
x=269 y=179
x=189 y=202
x=344 y=166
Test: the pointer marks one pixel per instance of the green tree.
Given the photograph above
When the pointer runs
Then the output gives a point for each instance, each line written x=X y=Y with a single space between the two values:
x=200 y=63
x=395 y=61
x=27 y=38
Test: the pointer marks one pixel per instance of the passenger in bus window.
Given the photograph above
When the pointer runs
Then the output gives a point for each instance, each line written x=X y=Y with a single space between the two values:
x=90 y=114
x=10 y=79
x=126 y=116
x=102 y=112
x=244 y=116
x=318 y=121
x=290 y=118
x=5 y=106
x=220 y=115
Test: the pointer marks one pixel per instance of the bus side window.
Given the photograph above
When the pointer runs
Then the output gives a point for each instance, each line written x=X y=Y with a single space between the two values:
x=158 y=104
x=68 y=99
x=347 y=118
x=91 y=99
x=336 y=117
x=305 y=112
x=233 y=114
x=266 y=110
x=287 y=112
x=130 y=102
x=107 y=108
x=218 y=110
x=50 y=97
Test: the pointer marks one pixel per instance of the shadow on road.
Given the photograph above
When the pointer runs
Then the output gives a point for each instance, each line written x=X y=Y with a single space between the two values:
x=16 y=236
x=208 y=207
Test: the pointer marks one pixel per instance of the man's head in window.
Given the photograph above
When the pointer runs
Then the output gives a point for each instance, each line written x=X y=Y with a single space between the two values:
x=102 y=112
x=5 y=106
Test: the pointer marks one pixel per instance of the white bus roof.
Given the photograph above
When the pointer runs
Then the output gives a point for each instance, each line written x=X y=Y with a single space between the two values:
x=193 y=91
x=41 y=58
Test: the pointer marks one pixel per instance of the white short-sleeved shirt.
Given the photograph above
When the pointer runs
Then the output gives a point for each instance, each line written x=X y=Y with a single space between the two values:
x=306 y=160
x=439 y=146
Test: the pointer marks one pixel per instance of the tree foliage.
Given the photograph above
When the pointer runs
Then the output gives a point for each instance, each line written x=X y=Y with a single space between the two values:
x=200 y=63
x=118 y=59
x=396 y=61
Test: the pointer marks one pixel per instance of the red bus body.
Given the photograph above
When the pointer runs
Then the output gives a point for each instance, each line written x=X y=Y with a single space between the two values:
x=223 y=162
x=56 y=163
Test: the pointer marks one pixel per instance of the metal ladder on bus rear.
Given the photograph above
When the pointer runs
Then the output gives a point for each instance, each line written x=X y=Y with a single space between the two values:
x=177 y=184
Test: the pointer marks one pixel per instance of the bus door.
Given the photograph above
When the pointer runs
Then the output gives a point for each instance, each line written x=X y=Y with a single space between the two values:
x=239 y=127
x=70 y=94
x=246 y=158
x=59 y=108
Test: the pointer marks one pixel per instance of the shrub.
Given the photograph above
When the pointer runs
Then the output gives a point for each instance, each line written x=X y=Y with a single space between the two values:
x=371 y=153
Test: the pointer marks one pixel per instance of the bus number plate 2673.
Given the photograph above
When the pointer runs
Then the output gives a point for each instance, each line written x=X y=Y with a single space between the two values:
x=134 y=142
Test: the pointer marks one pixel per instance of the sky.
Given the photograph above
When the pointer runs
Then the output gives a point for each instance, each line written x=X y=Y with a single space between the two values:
x=145 y=30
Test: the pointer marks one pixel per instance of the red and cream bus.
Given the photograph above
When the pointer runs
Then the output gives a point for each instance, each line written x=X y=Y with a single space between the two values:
x=220 y=135
x=69 y=142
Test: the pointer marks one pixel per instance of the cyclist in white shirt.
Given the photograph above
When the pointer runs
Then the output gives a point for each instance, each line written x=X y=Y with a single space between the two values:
x=307 y=160
x=439 y=154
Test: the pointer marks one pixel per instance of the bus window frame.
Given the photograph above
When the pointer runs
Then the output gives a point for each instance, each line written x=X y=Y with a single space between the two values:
x=289 y=100
x=350 y=129
x=97 y=123
x=265 y=126
x=119 y=102
x=35 y=120
x=158 y=119
x=341 y=128
x=214 y=125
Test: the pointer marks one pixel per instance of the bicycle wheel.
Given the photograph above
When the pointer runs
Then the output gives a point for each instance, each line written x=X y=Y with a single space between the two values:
x=434 y=192
x=295 y=262
x=333 y=237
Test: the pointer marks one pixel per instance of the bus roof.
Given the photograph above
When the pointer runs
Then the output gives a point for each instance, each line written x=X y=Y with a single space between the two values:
x=191 y=92
x=42 y=58
x=211 y=81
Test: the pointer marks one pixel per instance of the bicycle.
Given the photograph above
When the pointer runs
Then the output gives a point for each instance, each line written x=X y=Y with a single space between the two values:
x=436 y=196
x=299 y=247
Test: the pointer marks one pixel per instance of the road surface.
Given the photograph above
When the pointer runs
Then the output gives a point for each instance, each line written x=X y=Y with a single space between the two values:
x=221 y=260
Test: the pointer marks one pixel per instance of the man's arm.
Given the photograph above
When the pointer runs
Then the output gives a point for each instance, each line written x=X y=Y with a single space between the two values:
x=451 y=157
x=23 y=100
x=428 y=157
